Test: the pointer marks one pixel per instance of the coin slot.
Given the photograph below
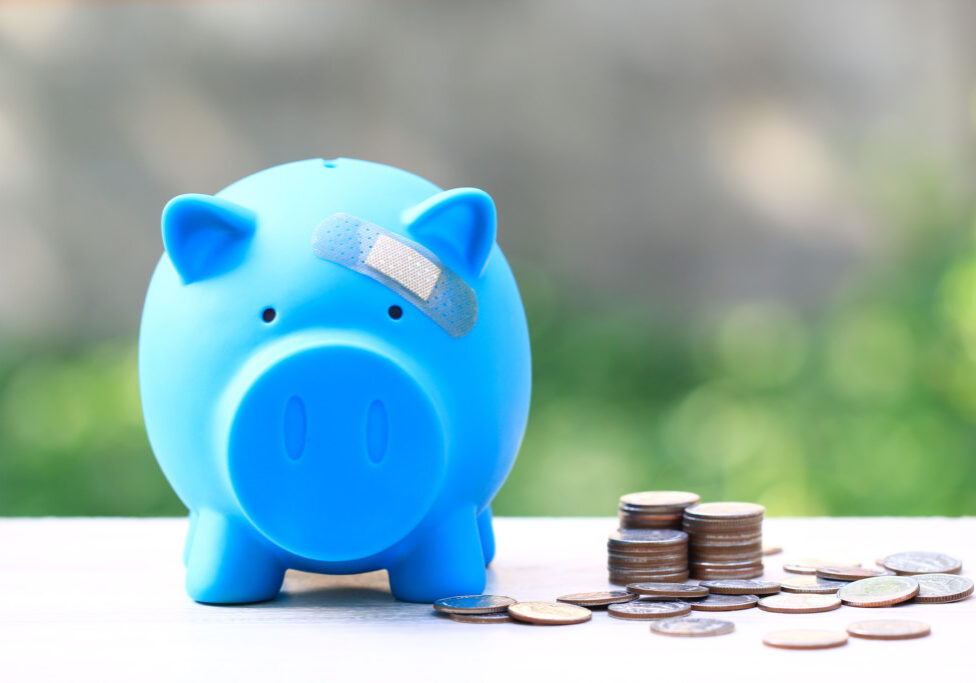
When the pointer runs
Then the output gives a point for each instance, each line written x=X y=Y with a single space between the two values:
x=377 y=431
x=295 y=428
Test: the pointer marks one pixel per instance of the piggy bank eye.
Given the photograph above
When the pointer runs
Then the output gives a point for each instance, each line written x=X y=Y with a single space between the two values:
x=268 y=314
x=395 y=312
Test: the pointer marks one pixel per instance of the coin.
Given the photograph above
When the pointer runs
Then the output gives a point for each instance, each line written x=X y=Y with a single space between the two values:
x=725 y=510
x=692 y=627
x=912 y=563
x=725 y=603
x=799 y=603
x=740 y=587
x=889 y=629
x=934 y=588
x=549 y=613
x=473 y=604
x=668 y=499
x=641 y=609
x=667 y=590
x=491 y=618
x=879 y=591
x=849 y=573
x=805 y=639
x=810 y=565
x=810 y=584
x=648 y=537
x=771 y=549
x=597 y=598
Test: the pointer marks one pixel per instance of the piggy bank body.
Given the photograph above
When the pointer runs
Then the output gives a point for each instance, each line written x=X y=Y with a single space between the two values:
x=334 y=369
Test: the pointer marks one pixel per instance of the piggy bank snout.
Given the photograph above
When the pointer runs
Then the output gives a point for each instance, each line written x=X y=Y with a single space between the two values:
x=335 y=452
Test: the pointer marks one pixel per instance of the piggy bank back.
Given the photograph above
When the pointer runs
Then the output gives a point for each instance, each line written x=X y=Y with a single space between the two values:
x=334 y=370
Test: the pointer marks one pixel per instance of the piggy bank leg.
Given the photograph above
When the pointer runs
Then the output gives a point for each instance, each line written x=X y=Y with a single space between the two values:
x=447 y=560
x=487 y=534
x=225 y=564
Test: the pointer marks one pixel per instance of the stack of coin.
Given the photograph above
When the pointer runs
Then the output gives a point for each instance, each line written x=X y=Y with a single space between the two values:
x=636 y=555
x=724 y=540
x=655 y=509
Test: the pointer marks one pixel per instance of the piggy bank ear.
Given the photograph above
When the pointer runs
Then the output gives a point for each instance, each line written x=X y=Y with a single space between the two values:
x=205 y=236
x=458 y=225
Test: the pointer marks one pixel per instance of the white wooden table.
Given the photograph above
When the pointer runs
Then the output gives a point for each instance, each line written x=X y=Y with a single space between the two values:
x=102 y=599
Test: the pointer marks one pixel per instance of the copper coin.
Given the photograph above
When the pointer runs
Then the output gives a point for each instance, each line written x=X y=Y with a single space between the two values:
x=668 y=499
x=473 y=604
x=549 y=613
x=799 y=603
x=908 y=564
x=491 y=618
x=805 y=639
x=935 y=588
x=667 y=590
x=625 y=580
x=724 y=603
x=725 y=511
x=647 y=538
x=889 y=629
x=879 y=591
x=849 y=573
x=740 y=587
x=597 y=598
x=807 y=583
x=810 y=565
x=771 y=550
x=692 y=627
x=656 y=609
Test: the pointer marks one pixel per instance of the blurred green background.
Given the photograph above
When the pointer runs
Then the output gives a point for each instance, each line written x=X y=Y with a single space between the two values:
x=748 y=262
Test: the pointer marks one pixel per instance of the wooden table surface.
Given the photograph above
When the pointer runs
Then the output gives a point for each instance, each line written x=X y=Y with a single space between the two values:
x=103 y=599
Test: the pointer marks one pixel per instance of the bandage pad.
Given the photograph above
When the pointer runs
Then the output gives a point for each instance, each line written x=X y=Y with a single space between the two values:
x=405 y=267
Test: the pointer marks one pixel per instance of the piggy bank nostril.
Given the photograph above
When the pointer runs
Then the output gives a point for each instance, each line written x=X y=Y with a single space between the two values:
x=377 y=431
x=295 y=427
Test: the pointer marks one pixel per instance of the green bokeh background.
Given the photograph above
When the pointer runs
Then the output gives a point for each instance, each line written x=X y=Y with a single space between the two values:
x=865 y=407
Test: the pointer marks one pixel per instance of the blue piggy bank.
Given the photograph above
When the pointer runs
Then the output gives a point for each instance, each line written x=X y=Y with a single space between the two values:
x=335 y=373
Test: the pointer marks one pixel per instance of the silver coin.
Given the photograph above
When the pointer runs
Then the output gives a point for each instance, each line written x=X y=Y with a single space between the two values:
x=933 y=588
x=740 y=587
x=641 y=609
x=597 y=598
x=922 y=563
x=473 y=604
x=670 y=590
x=808 y=583
x=879 y=591
x=725 y=603
x=692 y=627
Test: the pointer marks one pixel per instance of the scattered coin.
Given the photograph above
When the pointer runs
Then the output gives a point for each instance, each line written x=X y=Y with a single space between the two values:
x=805 y=639
x=646 y=609
x=933 y=588
x=549 y=613
x=810 y=565
x=889 y=629
x=692 y=627
x=490 y=618
x=597 y=598
x=473 y=604
x=725 y=603
x=740 y=587
x=849 y=573
x=911 y=563
x=806 y=583
x=667 y=590
x=771 y=550
x=799 y=603
x=879 y=591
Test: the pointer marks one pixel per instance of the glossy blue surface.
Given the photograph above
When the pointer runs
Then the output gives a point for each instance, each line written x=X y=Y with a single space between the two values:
x=330 y=434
